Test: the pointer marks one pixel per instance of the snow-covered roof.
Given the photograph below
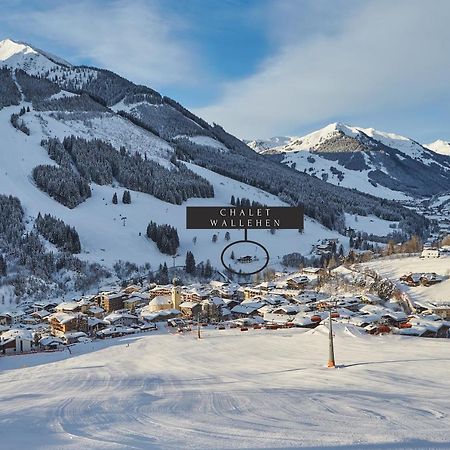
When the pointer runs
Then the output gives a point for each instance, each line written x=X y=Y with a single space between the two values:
x=67 y=306
x=161 y=300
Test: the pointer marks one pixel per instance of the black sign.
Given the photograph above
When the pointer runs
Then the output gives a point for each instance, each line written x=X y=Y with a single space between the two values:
x=229 y=217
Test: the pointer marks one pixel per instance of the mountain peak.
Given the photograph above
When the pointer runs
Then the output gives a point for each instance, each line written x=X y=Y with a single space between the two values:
x=439 y=146
x=20 y=55
x=10 y=48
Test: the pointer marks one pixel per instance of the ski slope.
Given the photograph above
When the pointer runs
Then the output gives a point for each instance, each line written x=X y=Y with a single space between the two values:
x=103 y=236
x=230 y=390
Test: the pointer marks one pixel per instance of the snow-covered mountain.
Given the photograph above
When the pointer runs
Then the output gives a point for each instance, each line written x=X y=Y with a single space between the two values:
x=439 y=146
x=74 y=136
x=383 y=164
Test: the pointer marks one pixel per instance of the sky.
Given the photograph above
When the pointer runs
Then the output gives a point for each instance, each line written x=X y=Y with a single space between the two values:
x=263 y=68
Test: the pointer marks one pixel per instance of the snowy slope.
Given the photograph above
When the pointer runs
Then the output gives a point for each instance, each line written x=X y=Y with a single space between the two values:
x=230 y=390
x=103 y=237
x=396 y=267
x=440 y=146
x=384 y=164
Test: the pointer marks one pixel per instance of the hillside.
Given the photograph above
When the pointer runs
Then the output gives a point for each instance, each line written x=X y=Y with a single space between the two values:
x=260 y=389
x=130 y=137
x=383 y=164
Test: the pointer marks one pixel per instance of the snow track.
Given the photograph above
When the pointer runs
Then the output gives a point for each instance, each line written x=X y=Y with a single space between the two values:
x=261 y=389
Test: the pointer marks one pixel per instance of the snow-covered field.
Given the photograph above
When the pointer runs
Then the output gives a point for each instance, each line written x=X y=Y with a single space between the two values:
x=259 y=389
x=396 y=267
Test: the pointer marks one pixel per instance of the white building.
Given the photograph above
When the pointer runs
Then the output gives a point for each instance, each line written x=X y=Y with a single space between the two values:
x=430 y=252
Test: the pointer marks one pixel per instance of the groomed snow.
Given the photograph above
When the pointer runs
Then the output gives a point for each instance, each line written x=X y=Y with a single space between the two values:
x=230 y=390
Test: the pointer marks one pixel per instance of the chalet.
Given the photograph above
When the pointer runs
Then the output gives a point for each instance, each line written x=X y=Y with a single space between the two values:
x=197 y=294
x=68 y=307
x=62 y=323
x=95 y=311
x=15 y=341
x=71 y=337
x=131 y=289
x=245 y=310
x=41 y=314
x=314 y=271
x=286 y=309
x=250 y=292
x=246 y=259
x=12 y=318
x=297 y=282
x=265 y=286
x=132 y=303
x=50 y=343
x=160 y=290
x=190 y=309
x=95 y=324
x=46 y=305
x=157 y=316
x=121 y=318
x=111 y=302
x=230 y=303
x=212 y=307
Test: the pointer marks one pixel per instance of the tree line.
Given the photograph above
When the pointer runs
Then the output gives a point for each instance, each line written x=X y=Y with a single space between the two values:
x=58 y=233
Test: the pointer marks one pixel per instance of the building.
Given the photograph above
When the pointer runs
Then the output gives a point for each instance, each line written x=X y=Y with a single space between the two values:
x=176 y=297
x=15 y=341
x=160 y=303
x=111 y=302
x=68 y=307
x=245 y=259
x=190 y=309
x=62 y=323
x=430 y=252
x=442 y=311
x=297 y=282
x=121 y=318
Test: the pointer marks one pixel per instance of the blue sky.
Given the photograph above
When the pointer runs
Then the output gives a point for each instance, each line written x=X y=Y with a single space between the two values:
x=264 y=67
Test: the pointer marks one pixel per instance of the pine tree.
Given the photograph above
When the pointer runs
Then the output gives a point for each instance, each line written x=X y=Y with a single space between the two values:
x=114 y=199
x=227 y=236
x=190 y=263
x=233 y=200
x=214 y=238
x=165 y=274
x=126 y=198
x=232 y=255
x=2 y=266
x=208 y=269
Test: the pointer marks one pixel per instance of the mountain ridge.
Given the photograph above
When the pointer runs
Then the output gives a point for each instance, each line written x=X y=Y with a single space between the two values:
x=364 y=158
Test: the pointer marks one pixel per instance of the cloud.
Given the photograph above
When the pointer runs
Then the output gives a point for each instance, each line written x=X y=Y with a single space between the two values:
x=374 y=56
x=135 y=39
